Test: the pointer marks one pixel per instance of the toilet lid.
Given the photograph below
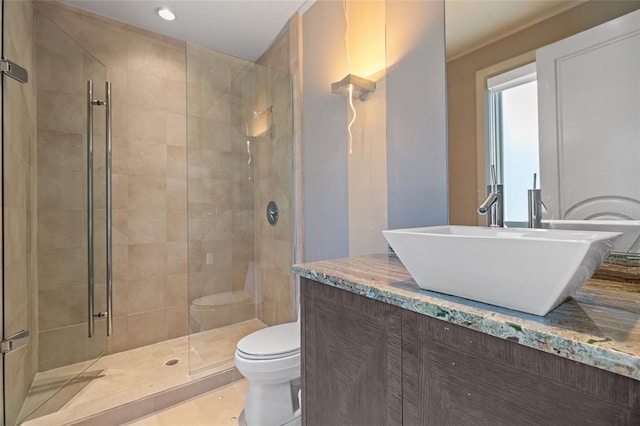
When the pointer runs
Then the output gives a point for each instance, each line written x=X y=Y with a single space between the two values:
x=275 y=341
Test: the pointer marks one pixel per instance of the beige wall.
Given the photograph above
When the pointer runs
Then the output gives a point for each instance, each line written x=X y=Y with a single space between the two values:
x=367 y=158
x=396 y=177
x=149 y=173
x=20 y=204
x=461 y=93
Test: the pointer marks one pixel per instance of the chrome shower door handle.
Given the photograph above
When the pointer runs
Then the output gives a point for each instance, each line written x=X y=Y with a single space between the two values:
x=107 y=91
x=90 y=270
x=91 y=102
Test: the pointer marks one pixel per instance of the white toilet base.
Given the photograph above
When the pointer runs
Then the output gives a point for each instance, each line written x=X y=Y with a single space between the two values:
x=295 y=421
x=268 y=404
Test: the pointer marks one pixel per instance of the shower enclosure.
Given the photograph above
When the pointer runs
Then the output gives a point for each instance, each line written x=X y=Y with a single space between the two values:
x=225 y=176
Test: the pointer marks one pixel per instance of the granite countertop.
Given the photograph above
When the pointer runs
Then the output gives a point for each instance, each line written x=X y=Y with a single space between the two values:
x=599 y=327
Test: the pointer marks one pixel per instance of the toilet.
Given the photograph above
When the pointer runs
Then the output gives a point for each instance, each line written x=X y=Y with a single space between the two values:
x=270 y=361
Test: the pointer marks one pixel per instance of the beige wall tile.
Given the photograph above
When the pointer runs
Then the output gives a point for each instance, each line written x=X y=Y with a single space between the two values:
x=176 y=257
x=147 y=192
x=177 y=290
x=61 y=151
x=60 y=267
x=146 y=90
x=217 y=280
x=16 y=234
x=177 y=321
x=118 y=341
x=52 y=117
x=17 y=296
x=64 y=306
x=120 y=227
x=61 y=190
x=148 y=54
x=120 y=262
x=61 y=229
x=120 y=298
x=119 y=83
x=146 y=259
x=145 y=124
x=176 y=161
x=68 y=345
x=176 y=193
x=147 y=157
x=176 y=128
x=177 y=225
x=64 y=70
x=120 y=122
x=147 y=226
x=176 y=96
x=120 y=154
x=120 y=190
x=148 y=293
x=147 y=328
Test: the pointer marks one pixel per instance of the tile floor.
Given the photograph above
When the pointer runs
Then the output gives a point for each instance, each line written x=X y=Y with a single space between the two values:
x=220 y=408
x=127 y=376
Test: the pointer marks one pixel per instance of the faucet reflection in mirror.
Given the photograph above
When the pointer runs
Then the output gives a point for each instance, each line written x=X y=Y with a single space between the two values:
x=493 y=205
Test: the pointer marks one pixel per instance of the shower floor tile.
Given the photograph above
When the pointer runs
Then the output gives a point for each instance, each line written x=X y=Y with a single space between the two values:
x=123 y=377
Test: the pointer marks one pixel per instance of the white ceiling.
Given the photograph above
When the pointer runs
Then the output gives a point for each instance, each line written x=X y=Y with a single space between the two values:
x=246 y=28
x=242 y=28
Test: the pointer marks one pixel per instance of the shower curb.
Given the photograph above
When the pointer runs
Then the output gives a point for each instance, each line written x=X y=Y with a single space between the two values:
x=135 y=410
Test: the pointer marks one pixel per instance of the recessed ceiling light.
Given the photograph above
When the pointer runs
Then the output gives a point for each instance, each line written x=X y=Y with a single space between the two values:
x=165 y=13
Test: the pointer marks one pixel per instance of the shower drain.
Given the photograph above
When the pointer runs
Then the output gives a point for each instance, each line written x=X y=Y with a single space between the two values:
x=172 y=361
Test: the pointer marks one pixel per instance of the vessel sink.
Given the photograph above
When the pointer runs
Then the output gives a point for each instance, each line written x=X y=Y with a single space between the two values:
x=529 y=270
x=629 y=242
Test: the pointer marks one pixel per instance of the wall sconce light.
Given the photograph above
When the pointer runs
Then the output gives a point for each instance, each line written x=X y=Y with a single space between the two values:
x=354 y=85
x=349 y=86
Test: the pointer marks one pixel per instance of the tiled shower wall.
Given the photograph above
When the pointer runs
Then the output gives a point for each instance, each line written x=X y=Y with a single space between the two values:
x=20 y=275
x=275 y=178
x=149 y=173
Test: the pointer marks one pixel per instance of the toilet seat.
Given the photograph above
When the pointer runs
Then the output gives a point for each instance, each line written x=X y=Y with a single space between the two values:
x=279 y=341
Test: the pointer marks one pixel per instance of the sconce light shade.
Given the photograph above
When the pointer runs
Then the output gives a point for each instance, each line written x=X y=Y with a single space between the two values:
x=362 y=87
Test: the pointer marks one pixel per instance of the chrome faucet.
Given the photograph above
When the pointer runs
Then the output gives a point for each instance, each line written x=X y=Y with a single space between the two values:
x=493 y=205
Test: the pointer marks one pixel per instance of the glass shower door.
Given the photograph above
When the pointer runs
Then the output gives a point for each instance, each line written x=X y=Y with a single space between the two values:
x=240 y=171
x=47 y=213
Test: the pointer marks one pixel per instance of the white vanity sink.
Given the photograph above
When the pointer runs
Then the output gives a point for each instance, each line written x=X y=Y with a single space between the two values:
x=530 y=270
x=628 y=243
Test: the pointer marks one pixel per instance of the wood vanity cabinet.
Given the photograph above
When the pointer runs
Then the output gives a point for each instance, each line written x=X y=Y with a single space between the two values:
x=366 y=363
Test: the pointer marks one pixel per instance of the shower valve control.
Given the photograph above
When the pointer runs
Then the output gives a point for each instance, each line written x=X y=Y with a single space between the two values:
x=273 y=213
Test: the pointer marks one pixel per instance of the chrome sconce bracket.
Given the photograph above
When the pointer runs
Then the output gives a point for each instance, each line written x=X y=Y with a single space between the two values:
x=362 y=88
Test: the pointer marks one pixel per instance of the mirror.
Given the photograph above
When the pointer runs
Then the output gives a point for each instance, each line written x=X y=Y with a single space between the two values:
x=485 y=38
